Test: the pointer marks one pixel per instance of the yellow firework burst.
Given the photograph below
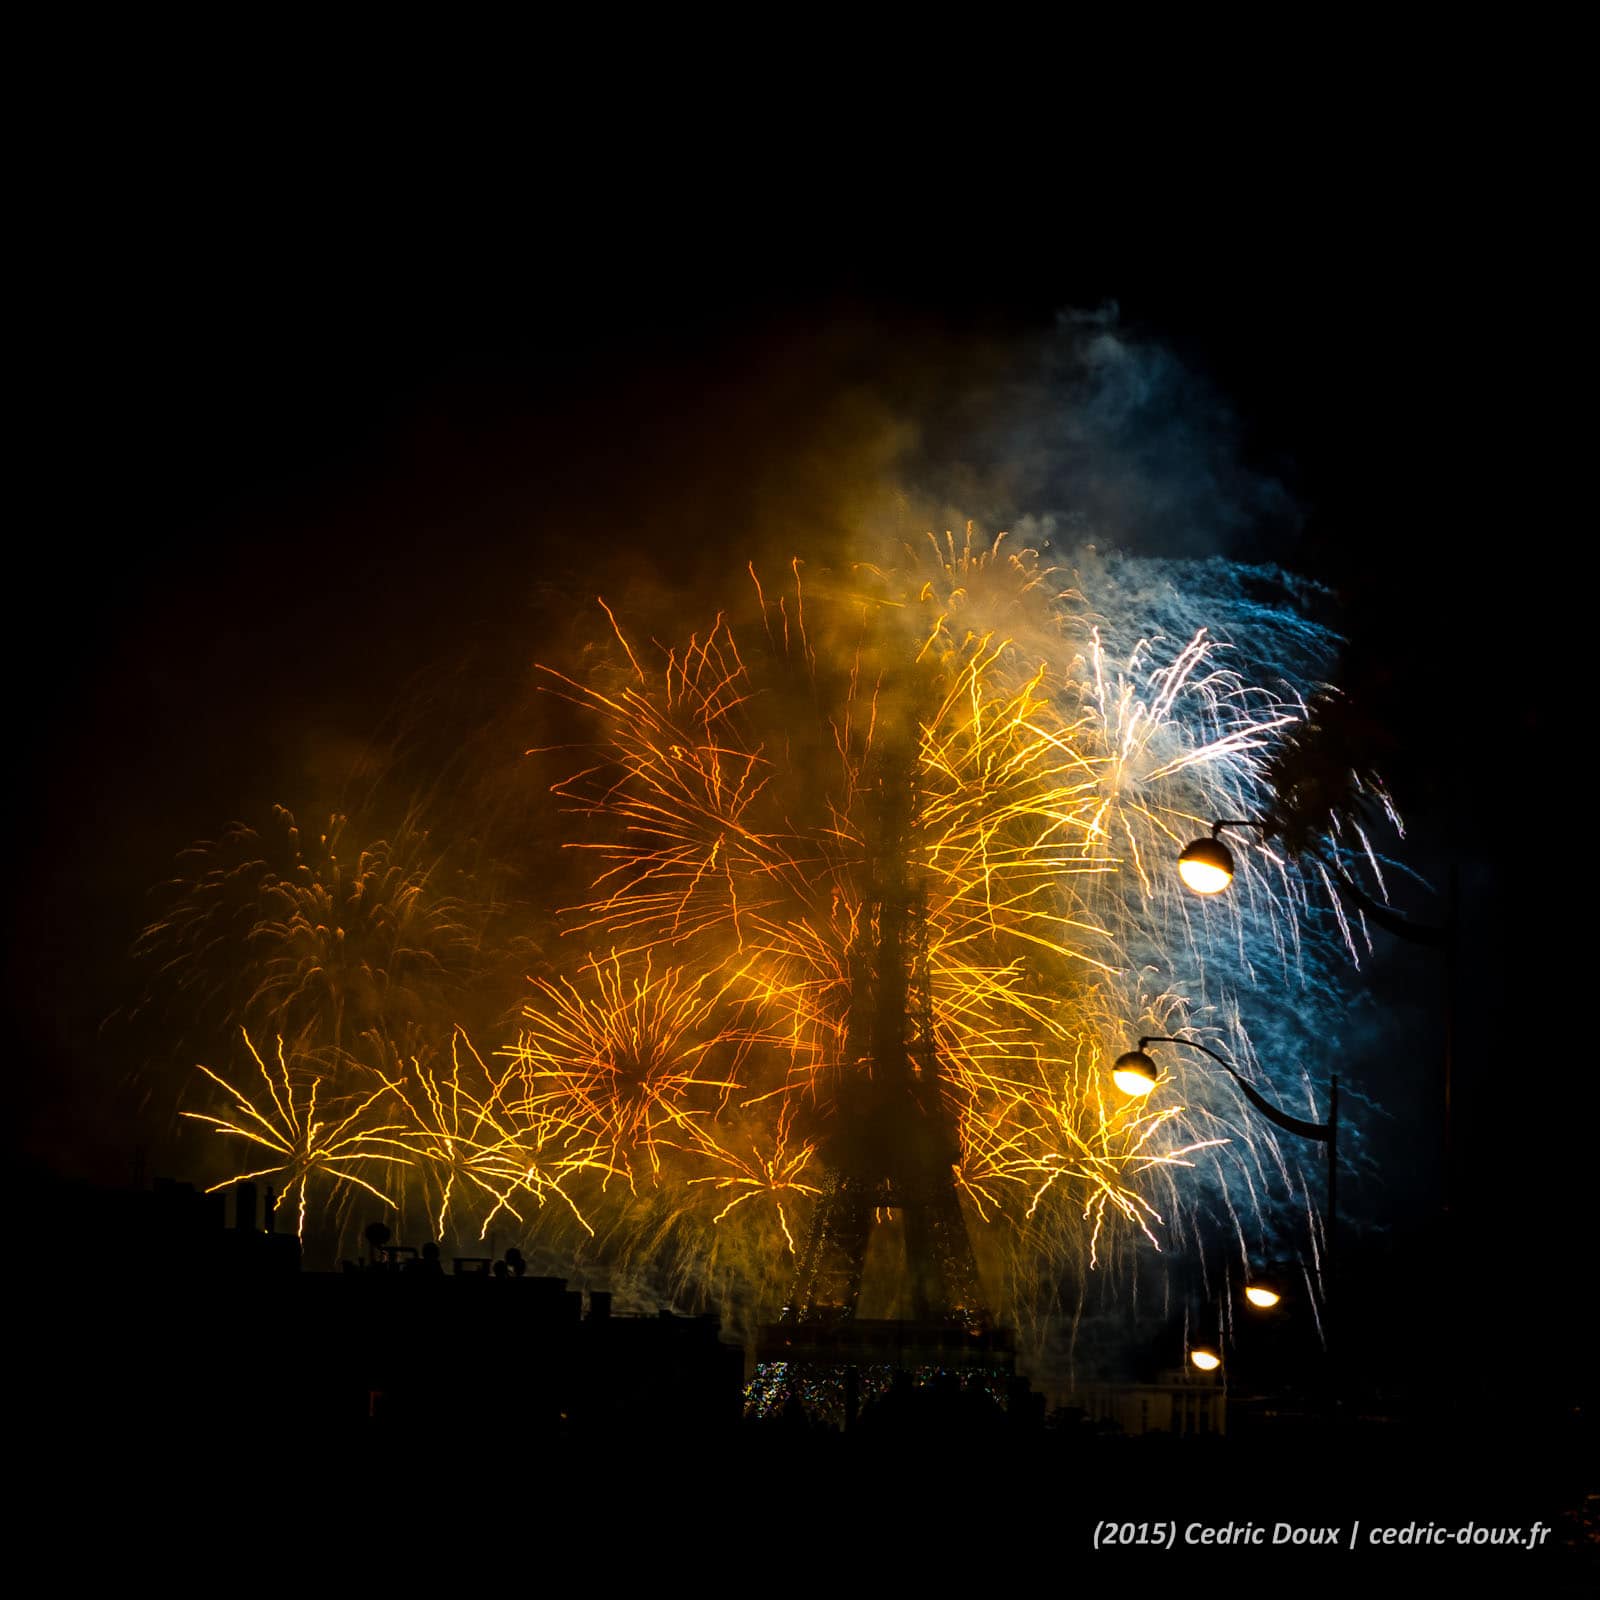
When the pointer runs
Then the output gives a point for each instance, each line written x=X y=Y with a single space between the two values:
x=332 y=1150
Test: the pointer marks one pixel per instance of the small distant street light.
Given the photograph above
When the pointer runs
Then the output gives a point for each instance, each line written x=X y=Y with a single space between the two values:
x=1206 y=1360
x=1258 y=1294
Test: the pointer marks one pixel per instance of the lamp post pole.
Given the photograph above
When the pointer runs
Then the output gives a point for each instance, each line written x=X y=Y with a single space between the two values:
x=1137 y=1064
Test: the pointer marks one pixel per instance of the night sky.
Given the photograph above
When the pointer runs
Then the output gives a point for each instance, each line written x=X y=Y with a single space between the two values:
x=296 y=445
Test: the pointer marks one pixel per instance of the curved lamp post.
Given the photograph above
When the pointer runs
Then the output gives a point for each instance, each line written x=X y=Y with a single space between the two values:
x=1206 y=867
x=1136 y=1074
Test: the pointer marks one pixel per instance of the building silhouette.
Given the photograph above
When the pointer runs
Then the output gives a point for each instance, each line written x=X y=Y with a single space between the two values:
x=168 y=1321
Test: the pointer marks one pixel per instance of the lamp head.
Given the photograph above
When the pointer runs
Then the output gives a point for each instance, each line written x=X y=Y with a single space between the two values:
x=1205 y=1360
x=1206 y=866
x=1259 y=1294
x=1135 y=1073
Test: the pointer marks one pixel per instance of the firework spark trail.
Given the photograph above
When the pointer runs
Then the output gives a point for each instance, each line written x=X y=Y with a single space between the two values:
x=675 y=1081
x=304 y=1146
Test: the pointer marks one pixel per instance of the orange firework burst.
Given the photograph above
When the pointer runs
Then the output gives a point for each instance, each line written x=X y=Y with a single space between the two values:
x=625 y=1054
x=287 y=933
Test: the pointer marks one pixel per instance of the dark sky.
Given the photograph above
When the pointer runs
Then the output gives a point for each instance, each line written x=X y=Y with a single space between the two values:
x=293 y=446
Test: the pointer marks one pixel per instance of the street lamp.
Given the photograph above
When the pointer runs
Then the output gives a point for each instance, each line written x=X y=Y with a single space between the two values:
x=1206 y=1360
x=1135 y=1073
x=1258 y=1294
x=1206 y=867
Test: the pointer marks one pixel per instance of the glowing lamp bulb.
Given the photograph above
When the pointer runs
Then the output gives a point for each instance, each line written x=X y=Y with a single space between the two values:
x=1206 y=866
x=1259 y=1296
x=1134 y=1074
x=1206 y=1360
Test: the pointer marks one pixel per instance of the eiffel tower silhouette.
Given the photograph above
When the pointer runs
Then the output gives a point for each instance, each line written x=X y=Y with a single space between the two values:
x=895 y=1148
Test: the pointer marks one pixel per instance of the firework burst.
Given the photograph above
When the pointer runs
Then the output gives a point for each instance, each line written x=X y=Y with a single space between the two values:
x=1060 y=764
x=284 y=933
x=332 y=1150
x=681 y=1072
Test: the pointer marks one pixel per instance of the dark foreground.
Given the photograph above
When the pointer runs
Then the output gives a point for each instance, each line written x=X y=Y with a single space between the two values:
x=193 y=1398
